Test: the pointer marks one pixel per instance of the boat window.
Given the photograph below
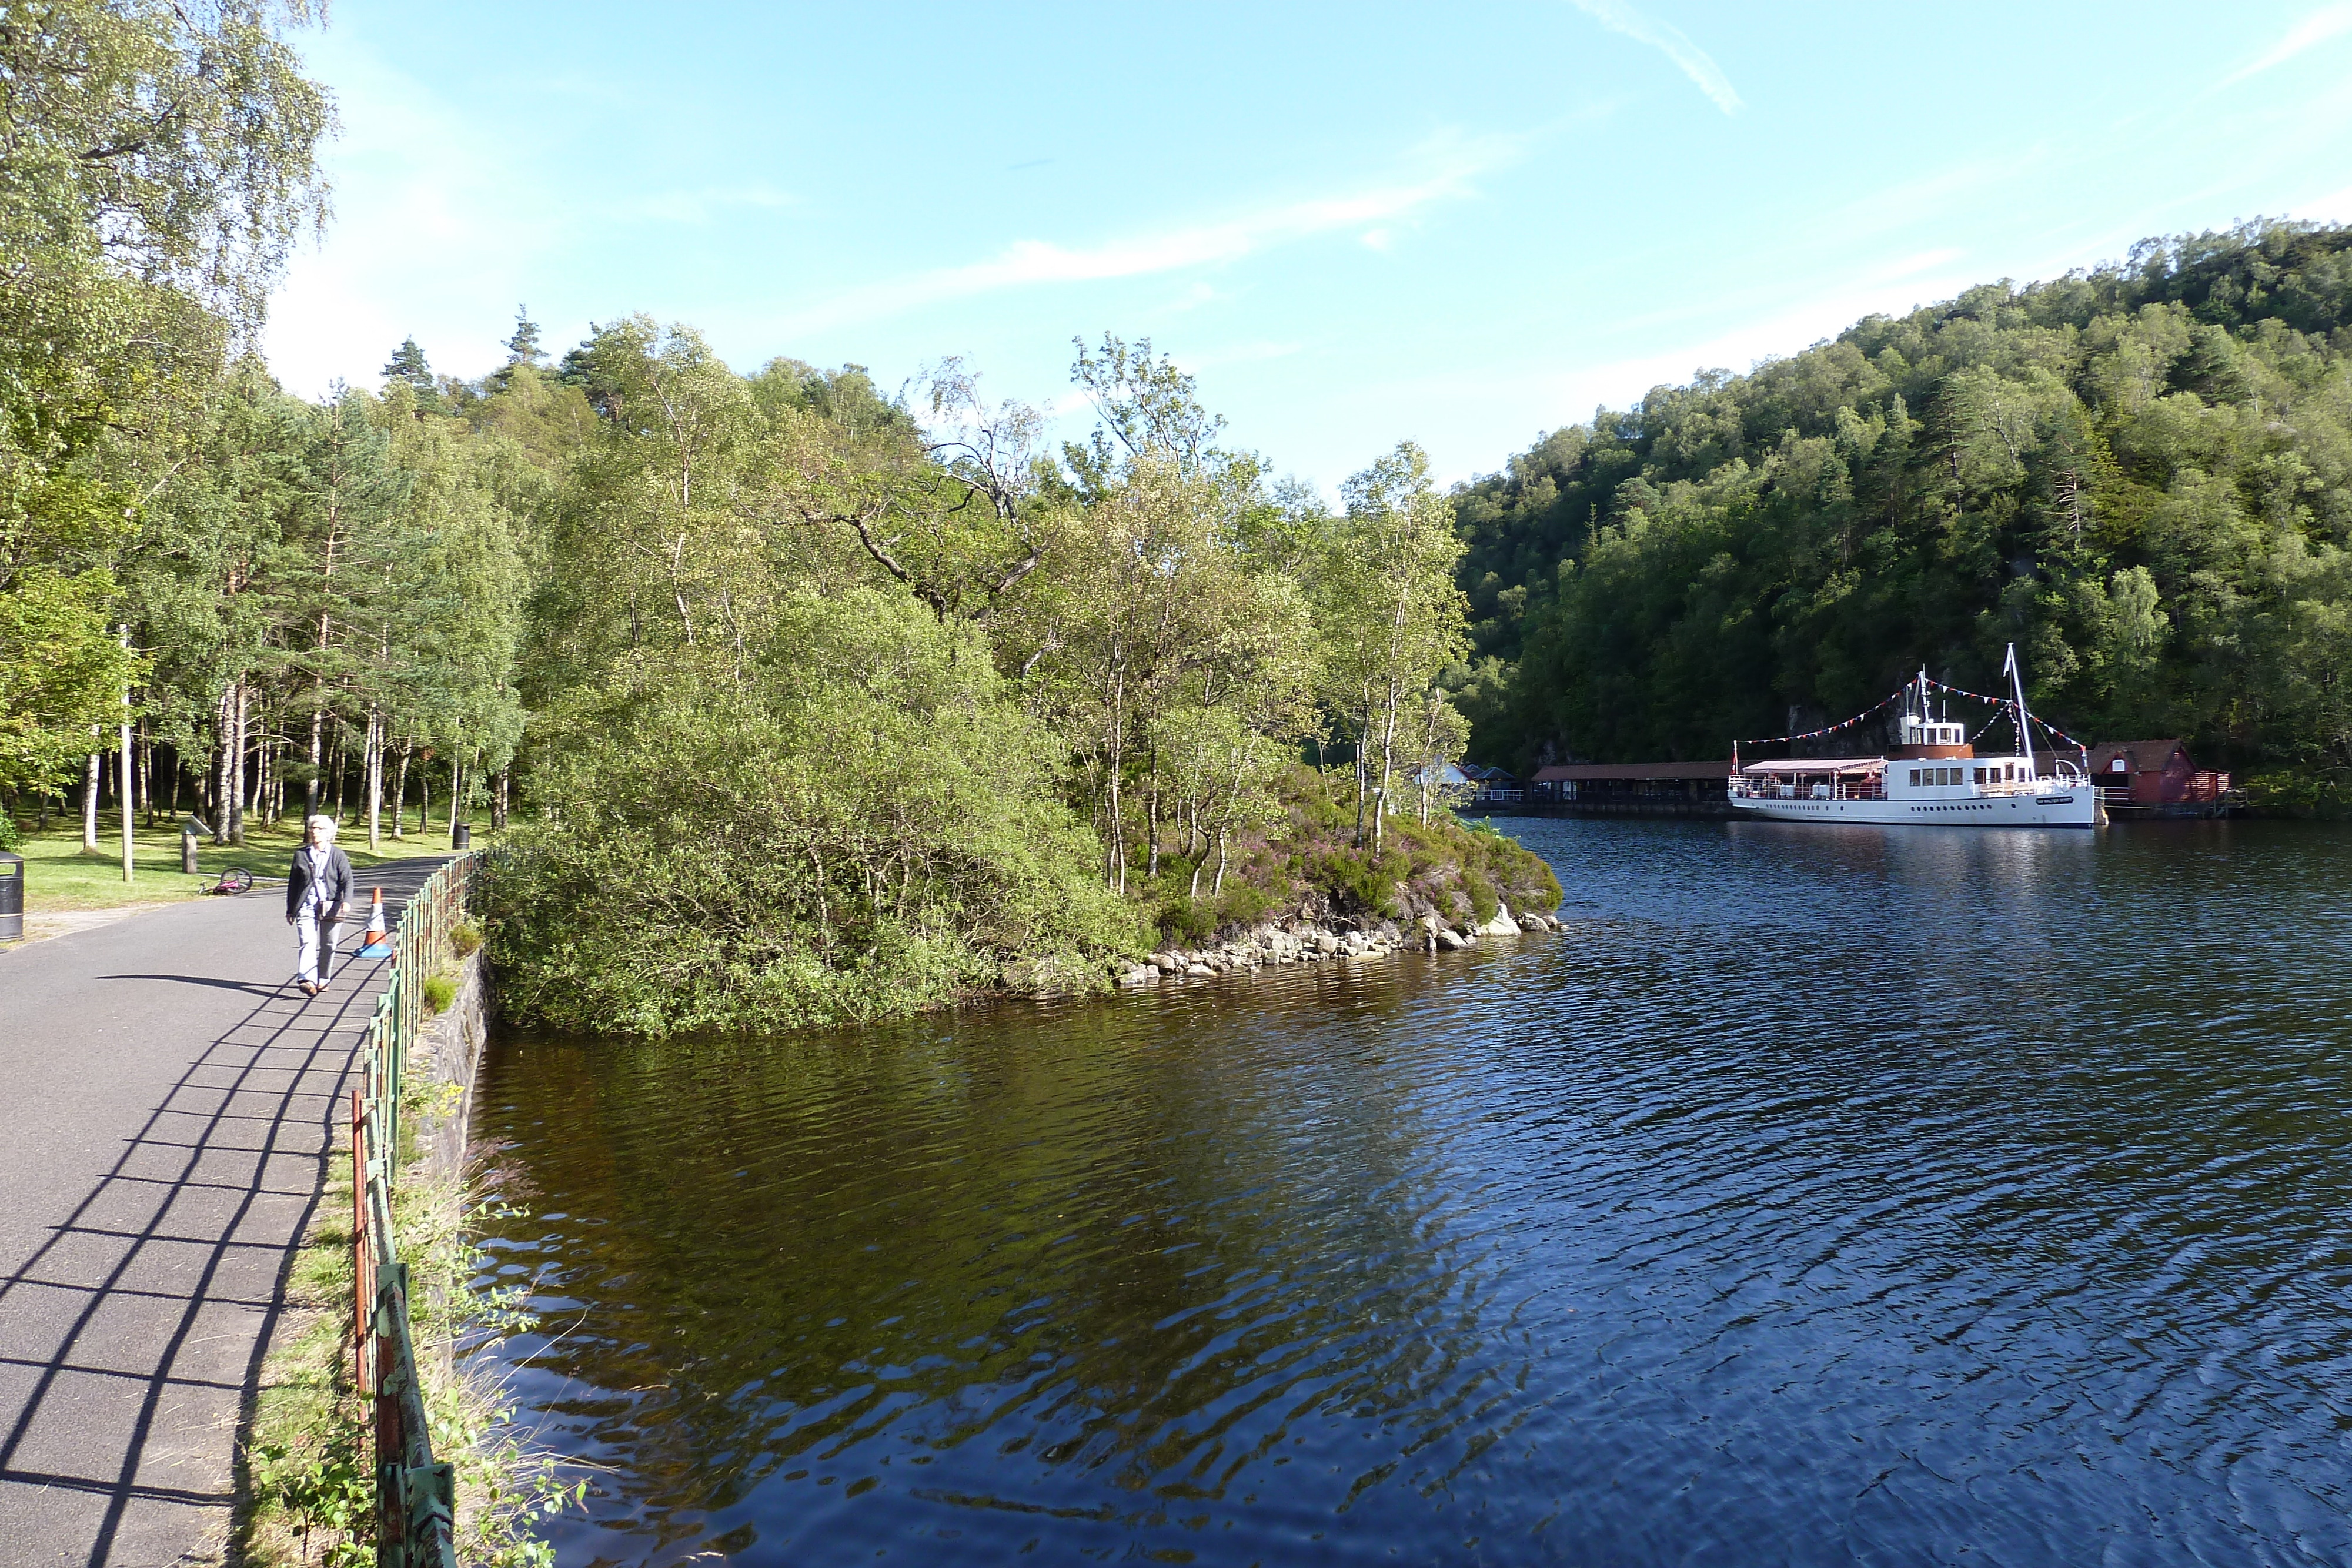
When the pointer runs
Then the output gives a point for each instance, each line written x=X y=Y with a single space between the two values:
x=1915 y=776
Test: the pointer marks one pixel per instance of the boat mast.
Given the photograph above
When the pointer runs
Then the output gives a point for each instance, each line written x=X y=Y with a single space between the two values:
x=2024 y=719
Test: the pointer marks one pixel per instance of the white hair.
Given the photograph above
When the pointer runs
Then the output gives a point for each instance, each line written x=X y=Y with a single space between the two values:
x=322 y=826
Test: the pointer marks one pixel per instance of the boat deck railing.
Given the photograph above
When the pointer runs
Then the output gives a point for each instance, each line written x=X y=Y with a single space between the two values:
x=1874 y=788
x=1840 y=789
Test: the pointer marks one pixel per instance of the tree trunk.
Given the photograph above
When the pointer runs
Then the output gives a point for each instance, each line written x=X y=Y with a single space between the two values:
x=400 y=797
x=1118 y=834
x=317 y=738
x=318 y=682
x=128 y=783
x=89 y=800
x=236 y=759
x=264 y=753
x=457 y=794
x=1152 y=816
x=424 y=799
x=216 y=781
x=1388 y=766
x=1219 y=886
x=1364 y=732
x=375 y=780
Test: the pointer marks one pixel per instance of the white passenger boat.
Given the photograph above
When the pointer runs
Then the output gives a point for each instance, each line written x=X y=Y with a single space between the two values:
x=1934 y=777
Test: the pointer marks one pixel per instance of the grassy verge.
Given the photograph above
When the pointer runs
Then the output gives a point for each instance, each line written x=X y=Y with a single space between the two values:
x=61 y=876
x=309 y=1496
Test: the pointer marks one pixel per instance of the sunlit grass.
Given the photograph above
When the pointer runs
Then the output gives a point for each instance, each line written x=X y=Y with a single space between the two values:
x=61 y=876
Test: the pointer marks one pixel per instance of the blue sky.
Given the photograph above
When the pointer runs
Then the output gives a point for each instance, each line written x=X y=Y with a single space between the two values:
x=1356 y=224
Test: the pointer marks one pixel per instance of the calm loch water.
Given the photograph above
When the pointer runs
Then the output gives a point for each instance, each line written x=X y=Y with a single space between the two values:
x=1909 y=1196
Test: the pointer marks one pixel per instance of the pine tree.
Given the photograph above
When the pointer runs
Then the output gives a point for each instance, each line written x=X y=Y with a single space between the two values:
x=522 y=348
x=407 y=364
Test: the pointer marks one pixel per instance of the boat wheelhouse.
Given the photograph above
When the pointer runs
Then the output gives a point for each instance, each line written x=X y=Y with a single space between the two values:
x=1933 y=777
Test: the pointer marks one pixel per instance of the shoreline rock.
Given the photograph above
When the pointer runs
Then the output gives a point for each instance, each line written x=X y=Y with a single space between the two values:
x=1277 y=944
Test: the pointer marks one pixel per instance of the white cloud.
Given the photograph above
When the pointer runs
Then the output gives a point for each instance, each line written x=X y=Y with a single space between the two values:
x=701 y=206
x=434 y=236
x=1694 y=61
x=2327 y=22
x=1478 y=407
x=1254 y=353
x=1199 y=293
x=2336 y=207
x=1439 y=169
x=1890 y=291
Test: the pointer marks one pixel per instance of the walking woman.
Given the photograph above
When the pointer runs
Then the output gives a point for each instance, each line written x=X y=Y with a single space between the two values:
x=317 y=892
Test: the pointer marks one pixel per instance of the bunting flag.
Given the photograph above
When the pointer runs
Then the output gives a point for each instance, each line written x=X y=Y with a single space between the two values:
x=1832 y=729
x=2002 y=704
x=2005 y=703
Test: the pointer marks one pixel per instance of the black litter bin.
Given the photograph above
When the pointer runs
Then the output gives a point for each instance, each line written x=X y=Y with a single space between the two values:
x=461 y=836
x=12 y=897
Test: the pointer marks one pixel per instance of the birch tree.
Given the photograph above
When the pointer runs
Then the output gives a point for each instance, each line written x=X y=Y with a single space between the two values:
x=1391 y=615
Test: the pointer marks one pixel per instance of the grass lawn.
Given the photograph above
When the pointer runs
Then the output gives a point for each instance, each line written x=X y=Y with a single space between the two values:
x=61 y=876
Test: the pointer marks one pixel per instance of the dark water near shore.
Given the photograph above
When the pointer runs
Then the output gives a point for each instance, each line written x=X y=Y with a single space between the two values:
x=1910 y=1196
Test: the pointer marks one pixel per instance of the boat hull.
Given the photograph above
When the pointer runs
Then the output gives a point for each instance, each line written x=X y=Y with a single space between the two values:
x=2075 y=808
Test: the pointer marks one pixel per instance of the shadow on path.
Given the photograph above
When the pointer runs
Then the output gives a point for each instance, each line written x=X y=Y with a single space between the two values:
x=131 y=1338
x=249 y=987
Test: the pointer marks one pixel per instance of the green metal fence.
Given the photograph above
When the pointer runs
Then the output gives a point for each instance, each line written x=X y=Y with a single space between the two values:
x=415 y=1493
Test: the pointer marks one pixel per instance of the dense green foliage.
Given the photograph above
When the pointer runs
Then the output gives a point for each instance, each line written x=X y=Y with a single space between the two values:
x=154 y=163
x=843 y=704
x=1307 y=860
x=856 y=821
x=2141 y=474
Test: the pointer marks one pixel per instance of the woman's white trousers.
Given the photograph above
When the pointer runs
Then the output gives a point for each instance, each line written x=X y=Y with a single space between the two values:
x=314 y=946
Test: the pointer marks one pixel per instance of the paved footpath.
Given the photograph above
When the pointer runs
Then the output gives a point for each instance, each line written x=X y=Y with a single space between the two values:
x=168 y=1102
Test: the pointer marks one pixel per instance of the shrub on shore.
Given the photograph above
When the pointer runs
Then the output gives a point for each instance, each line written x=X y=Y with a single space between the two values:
x=855 y=825
x=1306 y=864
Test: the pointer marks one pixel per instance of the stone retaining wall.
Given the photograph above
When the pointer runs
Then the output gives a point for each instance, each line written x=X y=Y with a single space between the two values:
x=451 y=1048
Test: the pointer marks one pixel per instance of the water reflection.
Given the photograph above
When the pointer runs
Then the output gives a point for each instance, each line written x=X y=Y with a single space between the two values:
x=1907 y=1195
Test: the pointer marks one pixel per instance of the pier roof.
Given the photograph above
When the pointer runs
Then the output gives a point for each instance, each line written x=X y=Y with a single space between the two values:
x=1596 y=772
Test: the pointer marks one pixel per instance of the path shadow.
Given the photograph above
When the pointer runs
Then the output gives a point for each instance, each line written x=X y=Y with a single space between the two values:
x=247 y=986
x=200 y=1214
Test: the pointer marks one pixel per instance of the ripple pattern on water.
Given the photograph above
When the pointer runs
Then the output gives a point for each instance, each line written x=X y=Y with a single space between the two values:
x=1892 y=1197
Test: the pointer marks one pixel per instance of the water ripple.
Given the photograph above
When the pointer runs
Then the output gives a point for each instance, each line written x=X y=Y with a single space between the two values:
x=1919 y=1197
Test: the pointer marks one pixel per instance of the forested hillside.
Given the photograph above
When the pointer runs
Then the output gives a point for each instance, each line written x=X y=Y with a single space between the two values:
x=2141 y=474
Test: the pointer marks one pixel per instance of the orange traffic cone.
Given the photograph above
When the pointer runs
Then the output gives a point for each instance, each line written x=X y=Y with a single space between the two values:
x=379 y=940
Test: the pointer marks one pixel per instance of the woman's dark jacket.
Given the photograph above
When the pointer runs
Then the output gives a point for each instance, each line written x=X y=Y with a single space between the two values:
x=335 y=887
